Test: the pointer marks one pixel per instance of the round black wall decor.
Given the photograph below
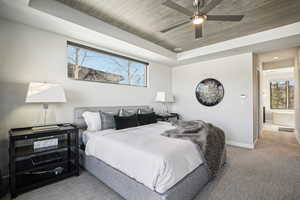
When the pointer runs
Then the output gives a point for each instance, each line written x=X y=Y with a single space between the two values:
x=209 y=92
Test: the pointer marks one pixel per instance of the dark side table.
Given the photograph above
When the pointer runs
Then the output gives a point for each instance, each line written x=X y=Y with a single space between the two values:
x=167 y=117
x=31 y=167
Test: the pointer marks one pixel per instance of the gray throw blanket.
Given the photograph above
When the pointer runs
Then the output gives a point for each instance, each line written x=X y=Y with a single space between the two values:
x=210 y=141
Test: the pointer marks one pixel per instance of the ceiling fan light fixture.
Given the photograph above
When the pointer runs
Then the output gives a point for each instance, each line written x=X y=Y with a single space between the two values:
x=198 y=19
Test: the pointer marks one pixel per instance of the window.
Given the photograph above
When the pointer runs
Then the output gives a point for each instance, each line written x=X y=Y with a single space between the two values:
x=291 y=88
x=282 y=94
x=89 y=64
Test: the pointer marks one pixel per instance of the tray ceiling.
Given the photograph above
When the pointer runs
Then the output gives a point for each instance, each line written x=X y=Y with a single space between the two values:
x=147 y=17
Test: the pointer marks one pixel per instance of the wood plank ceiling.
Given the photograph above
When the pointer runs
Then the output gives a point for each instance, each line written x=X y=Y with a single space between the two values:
x=145 y=18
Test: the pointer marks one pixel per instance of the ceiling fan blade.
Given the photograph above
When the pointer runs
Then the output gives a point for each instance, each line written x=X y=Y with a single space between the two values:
x=175 y=26
x=233 y=18
x=198 y=31
x=211 y=5
x=177 y=7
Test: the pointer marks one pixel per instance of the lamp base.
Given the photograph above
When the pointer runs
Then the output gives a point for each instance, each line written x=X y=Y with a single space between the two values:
x=165 y=108
x=165 y=114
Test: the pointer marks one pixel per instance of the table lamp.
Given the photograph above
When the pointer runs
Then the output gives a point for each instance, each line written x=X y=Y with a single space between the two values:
x=164 y=98
x=45 y=93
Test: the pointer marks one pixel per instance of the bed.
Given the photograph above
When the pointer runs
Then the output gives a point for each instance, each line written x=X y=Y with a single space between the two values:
x=159 y=169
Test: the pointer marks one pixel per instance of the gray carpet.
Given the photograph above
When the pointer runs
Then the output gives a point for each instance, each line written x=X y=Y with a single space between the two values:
x=270 y=172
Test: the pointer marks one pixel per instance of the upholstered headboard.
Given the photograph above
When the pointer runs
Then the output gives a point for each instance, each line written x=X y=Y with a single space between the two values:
x=80 y=123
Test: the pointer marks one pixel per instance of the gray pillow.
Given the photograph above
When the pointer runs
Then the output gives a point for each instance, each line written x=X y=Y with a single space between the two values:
x=107 y=120
x=145 y=111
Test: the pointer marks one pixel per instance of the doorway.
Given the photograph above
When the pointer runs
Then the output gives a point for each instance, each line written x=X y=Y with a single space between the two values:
x=277 y=95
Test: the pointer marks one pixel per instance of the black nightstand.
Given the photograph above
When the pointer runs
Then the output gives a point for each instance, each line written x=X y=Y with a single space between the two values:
x=31 y=167
x=167 y=117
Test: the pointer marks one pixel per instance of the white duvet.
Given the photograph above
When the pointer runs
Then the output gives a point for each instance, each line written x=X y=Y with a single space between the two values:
x=143 y=154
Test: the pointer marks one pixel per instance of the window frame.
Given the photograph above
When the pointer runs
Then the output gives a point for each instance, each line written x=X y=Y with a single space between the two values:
x=286 y=93
x=115 y=55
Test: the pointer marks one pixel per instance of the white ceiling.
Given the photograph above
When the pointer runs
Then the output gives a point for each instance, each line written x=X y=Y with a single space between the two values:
x=279 y=71
x=278 y=55
x=147 y=18
x=71 y=23
x=278 y=59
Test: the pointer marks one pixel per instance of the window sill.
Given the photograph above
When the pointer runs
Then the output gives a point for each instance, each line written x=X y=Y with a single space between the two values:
x=279 y=111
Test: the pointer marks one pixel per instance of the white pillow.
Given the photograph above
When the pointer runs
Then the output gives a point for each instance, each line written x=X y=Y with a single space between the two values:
x=92 y=120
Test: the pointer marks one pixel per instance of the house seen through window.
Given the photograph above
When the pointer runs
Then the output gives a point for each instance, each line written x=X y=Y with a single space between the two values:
x=88 y=64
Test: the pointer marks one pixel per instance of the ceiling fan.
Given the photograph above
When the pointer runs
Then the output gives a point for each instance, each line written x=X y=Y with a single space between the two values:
x=200 y=15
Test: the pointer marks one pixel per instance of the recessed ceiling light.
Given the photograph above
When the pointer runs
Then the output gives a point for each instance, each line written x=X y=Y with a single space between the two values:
x=276 y=57
x=177 y=49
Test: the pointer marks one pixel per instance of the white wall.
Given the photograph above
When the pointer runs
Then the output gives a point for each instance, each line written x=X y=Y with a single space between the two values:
x=256 y=98
x=297 y=95
x=234 y=114
x=28 y=54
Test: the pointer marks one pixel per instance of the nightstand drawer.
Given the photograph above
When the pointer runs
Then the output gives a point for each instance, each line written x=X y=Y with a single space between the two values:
x=167 y=117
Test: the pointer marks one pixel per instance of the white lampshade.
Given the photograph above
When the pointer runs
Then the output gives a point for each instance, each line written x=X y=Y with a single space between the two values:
x=164 y=97
x=45 y=93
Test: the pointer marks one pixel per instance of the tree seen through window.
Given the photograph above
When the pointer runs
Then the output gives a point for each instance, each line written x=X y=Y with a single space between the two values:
x=282 y=94
x=93 y=65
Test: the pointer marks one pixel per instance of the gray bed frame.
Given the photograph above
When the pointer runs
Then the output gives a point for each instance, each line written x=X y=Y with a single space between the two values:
x=128 y=188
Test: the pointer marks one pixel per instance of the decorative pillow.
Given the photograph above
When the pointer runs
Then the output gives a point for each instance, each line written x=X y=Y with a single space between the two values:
x=145 y=119
x=92 y=120
x=126 y=121
x=125 y=113
x=145 y=111
x=107 y=120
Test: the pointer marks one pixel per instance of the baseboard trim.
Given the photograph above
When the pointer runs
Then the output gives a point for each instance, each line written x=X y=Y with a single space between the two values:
x=240 y=144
